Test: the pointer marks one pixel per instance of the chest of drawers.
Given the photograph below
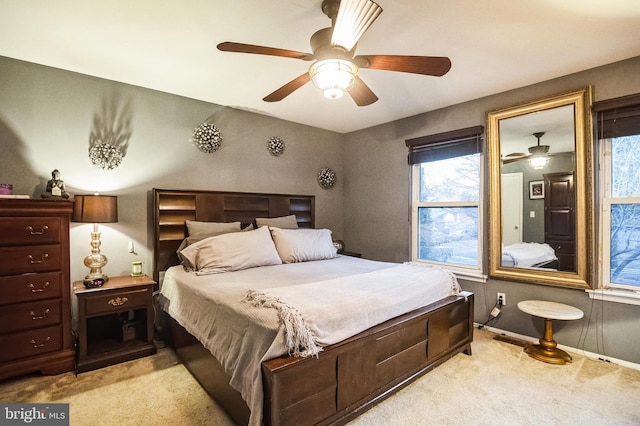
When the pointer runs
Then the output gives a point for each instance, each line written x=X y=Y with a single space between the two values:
x=35 y=301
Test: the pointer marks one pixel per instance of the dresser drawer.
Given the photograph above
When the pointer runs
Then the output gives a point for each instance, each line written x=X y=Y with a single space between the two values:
x=116 y=301
x=30 y=343
x=30 y=230
x=22 y=259
x=27 y=316
x=30 y=287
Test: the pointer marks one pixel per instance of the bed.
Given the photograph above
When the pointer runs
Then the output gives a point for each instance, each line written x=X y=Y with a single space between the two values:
x=529 y=255
x=330 y=387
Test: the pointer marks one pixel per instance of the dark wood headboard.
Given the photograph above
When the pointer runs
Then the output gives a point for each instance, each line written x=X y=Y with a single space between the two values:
x=171 y=208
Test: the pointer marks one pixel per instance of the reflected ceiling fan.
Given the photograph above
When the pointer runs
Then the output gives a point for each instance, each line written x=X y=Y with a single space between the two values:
x=335 y=67
x=536 y=151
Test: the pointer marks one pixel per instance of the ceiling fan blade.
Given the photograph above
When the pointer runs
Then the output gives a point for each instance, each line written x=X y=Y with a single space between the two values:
x=426 y=65
x=514 y=159
x=361 y=93
x=229 y=46
x=288 y=88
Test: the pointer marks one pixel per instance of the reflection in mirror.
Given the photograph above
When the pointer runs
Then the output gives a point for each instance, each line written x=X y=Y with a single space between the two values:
x=537 y=149
x=538 y=165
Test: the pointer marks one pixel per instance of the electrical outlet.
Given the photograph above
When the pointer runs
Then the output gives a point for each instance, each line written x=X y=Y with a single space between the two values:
x=504 y=298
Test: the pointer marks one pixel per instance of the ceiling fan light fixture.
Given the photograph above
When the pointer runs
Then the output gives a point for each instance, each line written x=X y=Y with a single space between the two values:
x=333 y=76
x=354 y=18
x=539 y=159
x=538 y=162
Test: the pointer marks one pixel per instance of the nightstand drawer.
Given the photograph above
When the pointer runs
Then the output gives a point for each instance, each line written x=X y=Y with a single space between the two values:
x=116 y=301
x=30 y=287
x=19 y=260
x=27 y=316
x=30 y=230
x=30 y=343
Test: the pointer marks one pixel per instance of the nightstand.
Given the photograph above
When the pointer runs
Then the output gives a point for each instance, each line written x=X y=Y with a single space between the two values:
x=115 y=321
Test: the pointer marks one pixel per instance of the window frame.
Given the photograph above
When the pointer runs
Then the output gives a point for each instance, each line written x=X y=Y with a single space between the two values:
x=604 y=278
x=613 y=118
x=439 y=144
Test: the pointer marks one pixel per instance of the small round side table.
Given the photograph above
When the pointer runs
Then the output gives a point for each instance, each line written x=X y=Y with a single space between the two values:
x=546 y=350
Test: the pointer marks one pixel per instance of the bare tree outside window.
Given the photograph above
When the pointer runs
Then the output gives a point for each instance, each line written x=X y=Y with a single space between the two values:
x=448 y=213
x=625 y=217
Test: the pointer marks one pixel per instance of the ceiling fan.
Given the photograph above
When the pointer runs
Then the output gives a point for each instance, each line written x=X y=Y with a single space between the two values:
x=335 y=67
x=536 y=151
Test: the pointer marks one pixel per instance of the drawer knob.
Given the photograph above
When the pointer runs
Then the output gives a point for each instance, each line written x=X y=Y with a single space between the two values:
x=34 y=317
x=39 y=345
x=40 y=232
x=42 y=259
x=118 y=301
x=38 y=290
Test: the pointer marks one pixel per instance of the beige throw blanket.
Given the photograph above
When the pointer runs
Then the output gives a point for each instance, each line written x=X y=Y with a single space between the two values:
x=326 y=312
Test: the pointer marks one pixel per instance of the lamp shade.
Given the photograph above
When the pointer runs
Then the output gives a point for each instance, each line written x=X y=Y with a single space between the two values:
x=95 y=209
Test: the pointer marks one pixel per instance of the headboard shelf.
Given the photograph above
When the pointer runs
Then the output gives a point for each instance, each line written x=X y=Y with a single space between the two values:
x=172 y=207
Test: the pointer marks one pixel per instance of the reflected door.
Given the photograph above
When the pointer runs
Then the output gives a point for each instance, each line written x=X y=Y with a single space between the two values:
x=559 y=218
x=511 y=187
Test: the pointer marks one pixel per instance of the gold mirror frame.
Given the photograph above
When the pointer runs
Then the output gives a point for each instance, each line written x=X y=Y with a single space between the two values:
x=581 y=100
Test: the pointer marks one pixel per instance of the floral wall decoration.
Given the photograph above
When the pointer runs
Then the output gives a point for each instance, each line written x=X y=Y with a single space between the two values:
x=109 y=138
x=275 y=145
x=327 y=178
x=207 y=138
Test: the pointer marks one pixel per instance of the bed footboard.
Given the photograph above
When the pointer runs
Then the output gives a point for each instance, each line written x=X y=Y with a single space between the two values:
x=352 y=376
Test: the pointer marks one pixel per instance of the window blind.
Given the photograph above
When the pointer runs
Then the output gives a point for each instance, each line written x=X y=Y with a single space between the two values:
x=617 y=117
x=455 y=143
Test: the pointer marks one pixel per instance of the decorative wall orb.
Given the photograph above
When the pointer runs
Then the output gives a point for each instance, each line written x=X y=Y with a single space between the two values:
x=105 y=156
x=327 y=178
x=275 y=146
x=207 y=138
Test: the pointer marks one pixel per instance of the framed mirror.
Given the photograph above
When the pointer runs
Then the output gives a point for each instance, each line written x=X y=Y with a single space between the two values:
x=540 y=191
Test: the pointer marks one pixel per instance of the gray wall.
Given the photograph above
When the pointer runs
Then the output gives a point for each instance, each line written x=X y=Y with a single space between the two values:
x=377 y=219
x=47 y=116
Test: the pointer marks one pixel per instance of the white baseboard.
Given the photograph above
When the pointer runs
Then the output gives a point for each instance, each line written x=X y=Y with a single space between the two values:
x=591 y=355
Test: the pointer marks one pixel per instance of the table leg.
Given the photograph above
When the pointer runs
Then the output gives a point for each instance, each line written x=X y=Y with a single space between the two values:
x=547 y=350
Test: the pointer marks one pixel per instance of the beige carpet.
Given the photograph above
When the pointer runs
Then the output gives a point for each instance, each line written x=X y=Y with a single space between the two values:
x=498 y=385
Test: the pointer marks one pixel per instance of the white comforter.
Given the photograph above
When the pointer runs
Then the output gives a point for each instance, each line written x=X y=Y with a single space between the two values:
x=527 y=254
x=242 y=336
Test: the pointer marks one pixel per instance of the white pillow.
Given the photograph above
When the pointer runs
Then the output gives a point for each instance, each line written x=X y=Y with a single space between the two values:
x=232 y=252
x=301 y=245
x=286 y=222
x=216 y=230
x=211 y=228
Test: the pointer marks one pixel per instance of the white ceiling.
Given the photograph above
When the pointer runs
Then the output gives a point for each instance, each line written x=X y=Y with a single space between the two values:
x=494 y=46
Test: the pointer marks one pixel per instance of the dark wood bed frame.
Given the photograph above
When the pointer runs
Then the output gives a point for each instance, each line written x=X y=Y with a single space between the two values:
x=348 y=377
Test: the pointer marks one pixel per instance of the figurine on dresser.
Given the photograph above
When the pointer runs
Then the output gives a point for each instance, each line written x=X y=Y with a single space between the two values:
x=55 y=187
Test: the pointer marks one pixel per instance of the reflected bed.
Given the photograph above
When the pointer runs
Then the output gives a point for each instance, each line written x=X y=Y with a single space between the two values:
x=529 y=255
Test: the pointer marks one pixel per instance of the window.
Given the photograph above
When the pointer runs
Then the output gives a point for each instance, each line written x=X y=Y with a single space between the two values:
x=618 y=130
x=446 y=199
x=621 y=212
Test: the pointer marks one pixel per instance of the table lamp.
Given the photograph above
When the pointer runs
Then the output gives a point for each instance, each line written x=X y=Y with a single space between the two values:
x=95 y=209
